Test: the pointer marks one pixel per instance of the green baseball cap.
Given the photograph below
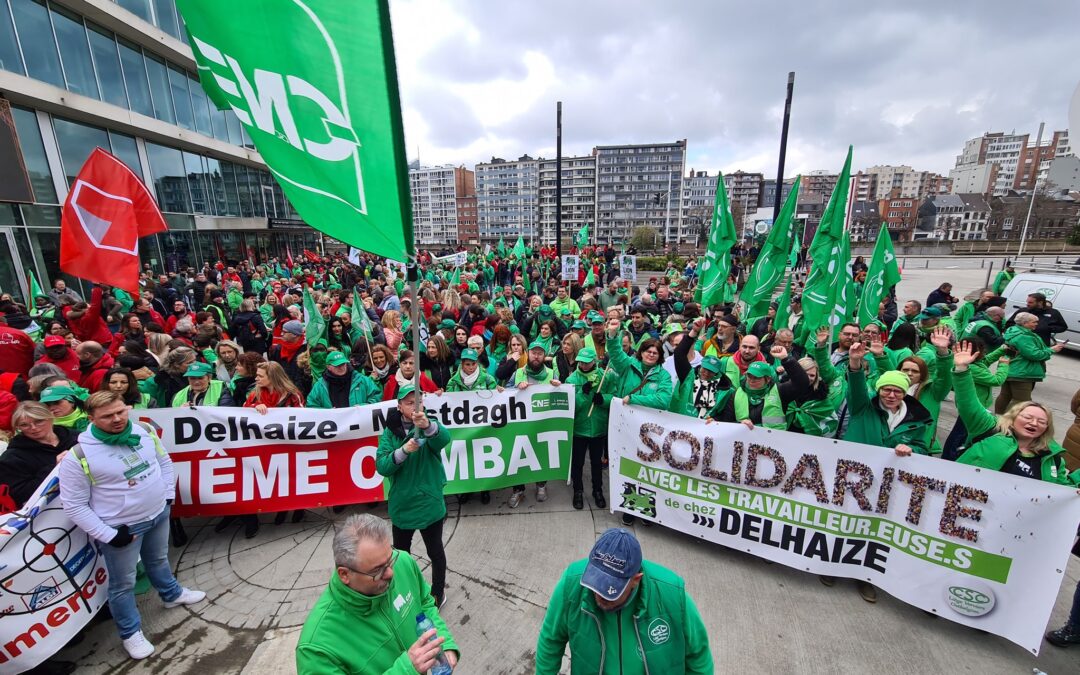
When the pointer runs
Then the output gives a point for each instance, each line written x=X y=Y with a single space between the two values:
x=760 y=369
x=199 y=369
x=546 y=310
x=61 y=393
x=578 y=323
x=586 y=355
x=596 y=317
x=404 y=390
x=447 y=323
x=536 y=344
x=337 y=359
x=711 y=364
x=469 y=355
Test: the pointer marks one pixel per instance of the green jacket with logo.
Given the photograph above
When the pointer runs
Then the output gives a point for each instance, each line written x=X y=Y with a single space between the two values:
x=347 y=632
x=868 y=423
x=596 y=424
x=658 y=631
x=362 y=391
x=985 y=380
x=1031 y=354
x=414 y=488
x=992 y=451
x=651 y=389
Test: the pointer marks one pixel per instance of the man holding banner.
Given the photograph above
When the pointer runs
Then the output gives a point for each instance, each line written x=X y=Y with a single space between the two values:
x=118 y=485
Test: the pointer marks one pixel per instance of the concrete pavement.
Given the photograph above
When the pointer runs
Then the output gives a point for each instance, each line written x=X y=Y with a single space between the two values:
x=762 y=618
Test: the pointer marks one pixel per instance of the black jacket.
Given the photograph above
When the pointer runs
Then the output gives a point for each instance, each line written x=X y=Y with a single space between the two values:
x=27 y=462
x=1050 y=322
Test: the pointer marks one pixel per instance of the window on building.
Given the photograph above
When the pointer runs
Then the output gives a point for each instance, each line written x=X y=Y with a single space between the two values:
x=202 y=107
x=10 y=59
x=77 y=141
x=135 y=78
x=33 y=150
x=140 y=8
x=178 y=85
x=216 y=185
x=165 y=13
x=197 y=181
x=232 y=198
x=170 y=178
x=158 y=74
x=123 y=146
x=110 y=76
x=37 y=40
x=74 y=52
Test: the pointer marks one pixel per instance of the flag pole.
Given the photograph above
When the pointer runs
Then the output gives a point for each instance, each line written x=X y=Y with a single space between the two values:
x=783 y=146
x=413 y=271
x=558 y=179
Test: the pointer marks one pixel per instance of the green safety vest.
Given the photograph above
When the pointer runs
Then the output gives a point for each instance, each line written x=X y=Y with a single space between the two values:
x=213 y=394
x=772 y=411
x=819 y=417
x=976 y=326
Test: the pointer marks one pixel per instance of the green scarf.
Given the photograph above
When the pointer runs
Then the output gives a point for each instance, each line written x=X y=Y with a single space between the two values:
x=126 y=437
x=754 y=396
x=75 y=420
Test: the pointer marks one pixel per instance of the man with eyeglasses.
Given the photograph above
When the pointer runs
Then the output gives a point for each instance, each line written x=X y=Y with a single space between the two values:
x=368 y=613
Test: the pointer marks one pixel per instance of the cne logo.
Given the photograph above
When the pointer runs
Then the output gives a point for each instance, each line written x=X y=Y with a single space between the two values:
x=973 y=600
x=659 y=631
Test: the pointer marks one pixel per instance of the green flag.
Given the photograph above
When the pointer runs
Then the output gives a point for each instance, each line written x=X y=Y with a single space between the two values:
x=501 y=247
x=590 y=279
x=883 y=274
x=828 y=261
x=583 y=236
x=783 y=307
x=519 y=248
x=769 y=268
x=315 y=85
x=843 y=306
x=314 y=321
x=35 y=289
x=360 y=319
x=456 y=278
x=716 y=265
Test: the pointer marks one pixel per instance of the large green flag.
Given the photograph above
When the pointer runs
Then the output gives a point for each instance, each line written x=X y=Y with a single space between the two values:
x=768 y=270
x=314 y=321
x=35 y=290
x=315 y=85
x=583 y=236
x=520 y=250
x=783 y=307
x=501 y=247
x=883 y=274
x=843 y=306
x=826 y=250
x=716 y=265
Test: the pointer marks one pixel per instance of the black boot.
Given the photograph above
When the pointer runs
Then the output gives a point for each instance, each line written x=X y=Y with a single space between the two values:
x=224 y=523
x=179 y=536
x=1066 y=636
x=485 y=497
x=579 y=500
x=338 y=509
x=297 y=516
x=280 y=516
x=598 y=499
x=251 y=526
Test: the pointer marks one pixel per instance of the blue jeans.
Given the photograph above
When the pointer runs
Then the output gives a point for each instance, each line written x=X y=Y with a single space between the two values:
x=152 y=543
x=1074 y=613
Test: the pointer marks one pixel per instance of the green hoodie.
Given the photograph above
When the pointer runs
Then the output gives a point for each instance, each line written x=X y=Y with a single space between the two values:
x=1031 y=354
x=660 y=621
x=994 y=449
x=362 y=391
x=596 y=424
x=414 y=488
x=347 y=632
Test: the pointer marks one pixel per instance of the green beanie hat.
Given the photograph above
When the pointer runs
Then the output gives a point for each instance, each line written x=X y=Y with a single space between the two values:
x=892 y=378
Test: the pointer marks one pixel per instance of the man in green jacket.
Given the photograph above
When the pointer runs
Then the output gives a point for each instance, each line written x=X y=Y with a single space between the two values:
x=365 y=622
x=590 y=426
x=1002 y=279
x=1028 y=366
x=341 y=386
x=202 y=389
x=410 y=457
x=622 y=614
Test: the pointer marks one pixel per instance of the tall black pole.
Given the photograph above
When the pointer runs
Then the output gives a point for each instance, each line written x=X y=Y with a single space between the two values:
x=558 y=179
x=783 y=147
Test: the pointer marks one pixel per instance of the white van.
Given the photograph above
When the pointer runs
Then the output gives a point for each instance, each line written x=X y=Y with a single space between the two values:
x=1061 y=290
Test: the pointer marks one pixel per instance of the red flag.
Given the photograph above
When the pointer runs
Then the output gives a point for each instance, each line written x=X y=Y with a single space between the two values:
x=107 y=210
x=288 y=259
x=312 y=256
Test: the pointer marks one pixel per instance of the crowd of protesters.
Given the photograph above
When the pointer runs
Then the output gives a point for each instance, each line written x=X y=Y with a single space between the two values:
x=237 y=335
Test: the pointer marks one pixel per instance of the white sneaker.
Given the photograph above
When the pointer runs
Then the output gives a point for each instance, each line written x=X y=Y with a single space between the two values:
x=187 y=597
x=516 y=498
x=541 y=493
x=138 y=647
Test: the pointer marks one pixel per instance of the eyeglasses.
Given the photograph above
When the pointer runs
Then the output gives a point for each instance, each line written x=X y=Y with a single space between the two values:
x=378 y=573
x=1027 y=417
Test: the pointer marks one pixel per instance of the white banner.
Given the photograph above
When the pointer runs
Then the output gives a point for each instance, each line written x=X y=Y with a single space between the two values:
x=981 y=548
x=354 y=255
x=454 y=259
x=52 y=580
x=570 y=266
x=628 y=267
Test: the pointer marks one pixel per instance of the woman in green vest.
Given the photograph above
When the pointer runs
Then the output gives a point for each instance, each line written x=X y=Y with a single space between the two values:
x=1020 y=442
x=202 y=389
x=123 y=381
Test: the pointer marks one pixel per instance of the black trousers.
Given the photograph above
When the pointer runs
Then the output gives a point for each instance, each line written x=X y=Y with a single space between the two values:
x=432 y=536
x=594 y=447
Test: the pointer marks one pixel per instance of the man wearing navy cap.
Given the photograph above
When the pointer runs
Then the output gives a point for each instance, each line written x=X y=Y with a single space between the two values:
x=622 y=614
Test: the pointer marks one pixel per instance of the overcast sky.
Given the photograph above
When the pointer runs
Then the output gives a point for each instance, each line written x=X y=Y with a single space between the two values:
x=906 y=83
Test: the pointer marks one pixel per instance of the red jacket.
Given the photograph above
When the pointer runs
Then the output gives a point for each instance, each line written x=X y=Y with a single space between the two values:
x=426 y=386
x=90 y=326
x=69 y=364
x=93 y=375
x=8 y=403
x=170 y=323
x=16 y=351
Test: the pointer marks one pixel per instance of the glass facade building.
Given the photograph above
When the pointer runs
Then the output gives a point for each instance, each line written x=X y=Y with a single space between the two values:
x=138 y=96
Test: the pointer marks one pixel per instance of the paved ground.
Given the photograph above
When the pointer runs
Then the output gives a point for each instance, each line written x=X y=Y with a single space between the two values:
x=762 y=618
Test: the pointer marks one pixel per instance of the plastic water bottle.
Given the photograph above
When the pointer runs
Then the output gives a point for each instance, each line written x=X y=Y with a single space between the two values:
x=442 y=666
